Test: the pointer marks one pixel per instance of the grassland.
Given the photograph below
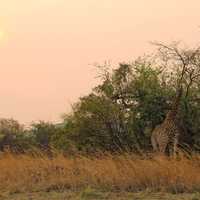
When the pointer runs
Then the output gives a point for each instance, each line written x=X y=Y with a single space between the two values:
x=101 y=177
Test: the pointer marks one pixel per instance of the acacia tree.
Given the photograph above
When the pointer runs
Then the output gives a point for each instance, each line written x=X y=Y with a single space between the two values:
x=185 y=64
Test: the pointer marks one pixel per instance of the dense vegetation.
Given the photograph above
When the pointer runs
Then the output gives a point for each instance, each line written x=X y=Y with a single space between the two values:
x=121 y=112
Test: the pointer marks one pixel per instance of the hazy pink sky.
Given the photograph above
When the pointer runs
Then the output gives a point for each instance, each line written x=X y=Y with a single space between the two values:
x=47 y=47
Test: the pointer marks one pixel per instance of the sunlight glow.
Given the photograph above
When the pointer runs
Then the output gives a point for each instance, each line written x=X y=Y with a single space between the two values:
x=2 y=34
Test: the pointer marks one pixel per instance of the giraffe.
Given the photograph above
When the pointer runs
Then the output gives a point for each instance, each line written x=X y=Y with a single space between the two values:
x=166 y=135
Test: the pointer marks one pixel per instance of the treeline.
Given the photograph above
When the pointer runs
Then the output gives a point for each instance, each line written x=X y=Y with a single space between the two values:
x=121 y=112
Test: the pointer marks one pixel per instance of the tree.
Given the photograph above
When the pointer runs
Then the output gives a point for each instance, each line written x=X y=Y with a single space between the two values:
x=10 y=131
x=119 y=113
x=185 y=62
x=42 y=133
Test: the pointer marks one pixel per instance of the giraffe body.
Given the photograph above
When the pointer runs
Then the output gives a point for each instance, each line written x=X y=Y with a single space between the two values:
x=166 y=135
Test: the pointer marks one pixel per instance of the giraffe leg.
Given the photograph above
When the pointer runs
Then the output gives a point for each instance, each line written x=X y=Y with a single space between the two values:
x=163 y=147
x=154 y=144
x=175 y=146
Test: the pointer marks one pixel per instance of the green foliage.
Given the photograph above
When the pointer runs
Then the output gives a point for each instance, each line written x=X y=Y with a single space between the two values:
x=11 y=134
x=120 y=113
x=42 y=132
x=60 y=140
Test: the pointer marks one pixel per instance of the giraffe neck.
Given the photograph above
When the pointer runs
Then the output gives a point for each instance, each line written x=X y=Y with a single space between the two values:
x=175 y=106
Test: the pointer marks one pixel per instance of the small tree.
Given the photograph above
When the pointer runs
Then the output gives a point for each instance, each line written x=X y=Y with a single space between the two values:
x=42 y=133
x=10 y=131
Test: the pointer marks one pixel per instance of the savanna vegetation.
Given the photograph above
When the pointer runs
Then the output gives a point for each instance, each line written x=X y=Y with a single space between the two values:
x=121 y=112
x=104 y=143
x=126 y=173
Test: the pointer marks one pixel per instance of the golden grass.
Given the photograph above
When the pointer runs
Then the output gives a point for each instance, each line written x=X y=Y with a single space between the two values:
x=22 y=173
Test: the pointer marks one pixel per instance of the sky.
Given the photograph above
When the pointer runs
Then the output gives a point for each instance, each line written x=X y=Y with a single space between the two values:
x=48 y=47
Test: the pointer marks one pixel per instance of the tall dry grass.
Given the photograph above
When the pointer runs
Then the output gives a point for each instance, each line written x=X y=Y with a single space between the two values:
x=22 y=173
